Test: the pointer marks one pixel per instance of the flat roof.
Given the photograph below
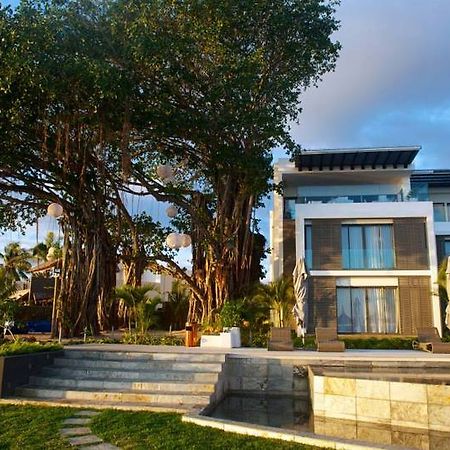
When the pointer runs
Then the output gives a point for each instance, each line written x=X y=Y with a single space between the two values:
x=373 y=157
x=434 y=178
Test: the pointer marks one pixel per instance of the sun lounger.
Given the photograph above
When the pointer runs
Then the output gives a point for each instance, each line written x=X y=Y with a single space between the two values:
x=327 y=340
x=280 y=339
x=428 y=339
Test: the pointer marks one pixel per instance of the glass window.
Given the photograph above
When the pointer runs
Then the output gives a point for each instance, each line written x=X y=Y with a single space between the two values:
x=367 y=247
x=289 y=208
x=367 y=310
x=439 y=212
x=308 y=246
x=447 y=247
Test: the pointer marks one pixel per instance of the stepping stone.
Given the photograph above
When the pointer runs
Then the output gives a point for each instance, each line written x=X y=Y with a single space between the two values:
x=76 y=431
x=84 y=440
x=76 y=421
x=104 y=446
x=87 y=413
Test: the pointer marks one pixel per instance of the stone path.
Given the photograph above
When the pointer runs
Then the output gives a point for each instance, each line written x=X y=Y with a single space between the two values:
x=76 y=430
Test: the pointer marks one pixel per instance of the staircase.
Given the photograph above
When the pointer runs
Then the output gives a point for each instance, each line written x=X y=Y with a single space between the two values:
x=128 y=380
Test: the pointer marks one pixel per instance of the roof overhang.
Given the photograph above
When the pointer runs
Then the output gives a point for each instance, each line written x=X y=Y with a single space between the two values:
x=363 y=158
x=434 y=178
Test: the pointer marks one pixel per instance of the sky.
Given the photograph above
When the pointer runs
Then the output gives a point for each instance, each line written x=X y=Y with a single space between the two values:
x=391 y=86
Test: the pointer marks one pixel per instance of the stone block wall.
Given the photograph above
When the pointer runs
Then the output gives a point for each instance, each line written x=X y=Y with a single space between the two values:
x=265 y=375
x=398 y=404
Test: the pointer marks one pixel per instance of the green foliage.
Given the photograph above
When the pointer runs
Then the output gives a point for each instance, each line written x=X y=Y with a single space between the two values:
x=148 y=339
x=142 y=305
x=15 y=261
x=379 y=343
x=279 y=296
x=231 y=314
x=40 y=251
x=310 y=342
x=8 y=307
x=19 y=347
x=175 y=310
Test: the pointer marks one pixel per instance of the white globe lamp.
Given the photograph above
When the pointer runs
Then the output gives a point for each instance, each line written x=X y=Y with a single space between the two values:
x=55 y=210
x=172 y=211
x=172 y=240
x=165 y=172
x=186 y=240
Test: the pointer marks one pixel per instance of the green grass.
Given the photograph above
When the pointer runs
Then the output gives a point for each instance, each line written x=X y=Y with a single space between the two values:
x=165 y=431
x=23 y=347
x=32 y=428
x=36 y=428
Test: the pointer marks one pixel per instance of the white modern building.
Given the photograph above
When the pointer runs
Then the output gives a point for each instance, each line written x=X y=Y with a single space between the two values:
x=372 y=231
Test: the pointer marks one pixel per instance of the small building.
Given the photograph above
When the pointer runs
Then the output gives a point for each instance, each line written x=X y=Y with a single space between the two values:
x=372 y=231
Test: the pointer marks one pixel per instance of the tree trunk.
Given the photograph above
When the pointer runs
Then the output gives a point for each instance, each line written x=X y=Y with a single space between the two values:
x=87 y=278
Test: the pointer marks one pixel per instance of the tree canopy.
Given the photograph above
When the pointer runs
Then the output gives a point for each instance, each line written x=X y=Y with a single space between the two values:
x=94 y=95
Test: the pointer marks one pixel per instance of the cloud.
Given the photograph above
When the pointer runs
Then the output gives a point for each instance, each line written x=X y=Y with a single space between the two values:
x=390 y=86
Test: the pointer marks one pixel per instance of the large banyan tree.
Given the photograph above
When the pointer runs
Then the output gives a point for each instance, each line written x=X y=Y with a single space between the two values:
x=95 y=95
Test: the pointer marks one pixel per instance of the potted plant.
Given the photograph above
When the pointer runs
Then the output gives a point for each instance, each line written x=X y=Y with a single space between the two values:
x=230 y=318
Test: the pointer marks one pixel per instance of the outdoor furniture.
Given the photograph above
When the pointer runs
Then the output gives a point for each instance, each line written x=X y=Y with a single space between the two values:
x=280 y=339
x=327 y=340
x=428 y=339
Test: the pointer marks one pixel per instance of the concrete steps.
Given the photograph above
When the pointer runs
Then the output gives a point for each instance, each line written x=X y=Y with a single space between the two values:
x=128 y=380
x=142 y=375
x=123 y=384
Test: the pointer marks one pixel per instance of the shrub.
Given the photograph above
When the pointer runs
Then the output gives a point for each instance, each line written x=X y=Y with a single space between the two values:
x=231 y=314
x=20 y=347
x=148 y=339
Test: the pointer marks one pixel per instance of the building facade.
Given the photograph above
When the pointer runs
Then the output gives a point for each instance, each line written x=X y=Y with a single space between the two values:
x=372 y=231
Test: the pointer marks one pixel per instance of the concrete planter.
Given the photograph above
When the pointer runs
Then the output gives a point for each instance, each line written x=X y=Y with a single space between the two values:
x=227 y=339
x=16 y=370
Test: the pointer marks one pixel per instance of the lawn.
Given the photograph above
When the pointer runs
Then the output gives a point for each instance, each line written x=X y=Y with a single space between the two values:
x=35 y=428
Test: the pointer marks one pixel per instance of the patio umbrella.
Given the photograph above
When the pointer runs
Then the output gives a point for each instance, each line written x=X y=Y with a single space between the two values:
x=447 y=279
x=300 y=277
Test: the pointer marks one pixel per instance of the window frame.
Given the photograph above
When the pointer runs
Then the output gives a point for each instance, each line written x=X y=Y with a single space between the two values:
x=395 y=291
x=365 y=250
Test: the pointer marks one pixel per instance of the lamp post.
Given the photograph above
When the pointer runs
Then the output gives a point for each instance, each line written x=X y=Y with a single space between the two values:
x=54 y=210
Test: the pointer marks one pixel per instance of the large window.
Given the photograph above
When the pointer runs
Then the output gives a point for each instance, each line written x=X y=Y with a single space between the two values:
x=441 y=212
x=367 y=247
x=367 y=310
x=308 y=246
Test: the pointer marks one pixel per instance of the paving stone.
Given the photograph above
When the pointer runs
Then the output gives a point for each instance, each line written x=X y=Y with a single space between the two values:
x=75 y=431
x=76 y=421
x=104 y=446
x=87 y=413
x=84 y=440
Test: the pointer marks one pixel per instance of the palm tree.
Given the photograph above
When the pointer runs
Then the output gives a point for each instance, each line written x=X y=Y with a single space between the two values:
x=40 y=251
x=279 y=296
x=15 y=261
x=142 y=306
x=177 y=307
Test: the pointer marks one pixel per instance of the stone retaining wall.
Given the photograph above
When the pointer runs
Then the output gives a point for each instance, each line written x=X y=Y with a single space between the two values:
x=394 y=403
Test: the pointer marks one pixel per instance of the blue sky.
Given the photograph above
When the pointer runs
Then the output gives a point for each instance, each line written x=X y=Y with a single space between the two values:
x=391 y=85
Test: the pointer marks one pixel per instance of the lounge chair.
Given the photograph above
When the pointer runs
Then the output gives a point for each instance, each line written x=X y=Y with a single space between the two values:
x=327 y=340
x=428 y=339
x=280 y=339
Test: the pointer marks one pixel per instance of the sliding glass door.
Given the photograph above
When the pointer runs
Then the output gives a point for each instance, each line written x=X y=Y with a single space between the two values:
x=367 y=310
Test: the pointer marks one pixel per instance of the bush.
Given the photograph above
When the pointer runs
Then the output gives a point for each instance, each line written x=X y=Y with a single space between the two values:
x=231 y=314
x=379 y=344
x=21 y=347
x=147 y=339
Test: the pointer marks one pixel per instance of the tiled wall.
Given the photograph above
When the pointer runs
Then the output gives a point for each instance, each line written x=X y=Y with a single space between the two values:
x=412 y=405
